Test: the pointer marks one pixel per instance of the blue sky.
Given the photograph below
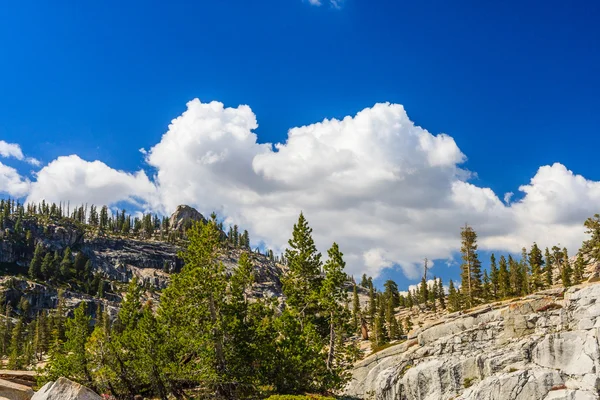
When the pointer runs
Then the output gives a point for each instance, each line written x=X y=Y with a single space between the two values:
x=515 y=84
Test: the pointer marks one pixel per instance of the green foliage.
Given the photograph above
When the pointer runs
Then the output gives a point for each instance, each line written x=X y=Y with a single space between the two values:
x=591 y=247
x=470 y=267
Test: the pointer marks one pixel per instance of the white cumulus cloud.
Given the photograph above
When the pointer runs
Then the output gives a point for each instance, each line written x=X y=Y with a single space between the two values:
x=389 y=192
x=72 y=179
x=14 y=150
x=12 y=183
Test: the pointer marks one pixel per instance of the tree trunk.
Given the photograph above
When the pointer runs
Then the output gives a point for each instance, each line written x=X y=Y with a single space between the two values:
x=331 y=344
x=364 y=329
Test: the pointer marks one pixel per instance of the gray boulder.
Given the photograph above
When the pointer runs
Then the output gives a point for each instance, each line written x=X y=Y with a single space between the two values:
x=65 y=389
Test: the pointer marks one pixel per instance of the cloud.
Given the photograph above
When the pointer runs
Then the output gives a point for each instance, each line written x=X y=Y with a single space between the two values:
x=315 y=2
x=389 y=192
x=14 y=150
x=10 y=150
x=12 y=183
x=69 y=178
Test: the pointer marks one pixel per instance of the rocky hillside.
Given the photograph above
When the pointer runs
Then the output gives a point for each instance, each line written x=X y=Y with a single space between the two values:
x=542 y=346
x=117 y=258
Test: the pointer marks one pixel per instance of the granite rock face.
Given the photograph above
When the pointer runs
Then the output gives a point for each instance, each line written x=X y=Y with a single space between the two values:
x=120 y=258
x=184 y=216
x=543 y=346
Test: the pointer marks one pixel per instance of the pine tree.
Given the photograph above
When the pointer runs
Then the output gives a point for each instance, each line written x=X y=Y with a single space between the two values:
x=494 y=277
x=441 y=294
x=364 y=282
x=549 y=268
x=591 y=247
x=579 y=269
x=79 y=265
x=567 y=271
x=15 y=361
x=333 y=294
x=453 y=300
x=515 y=276
x=71 y=359
x=471 y=267
x=66 y=264
x=391 y=292
x=487 y=287
x=35 y=267
x=380 y=334
x=47 y=268
x=525 y=272
x=503 y=278
x=355 y=308
x=301 y=283
x=536 y=261
x=372 y=307
x=423 y=292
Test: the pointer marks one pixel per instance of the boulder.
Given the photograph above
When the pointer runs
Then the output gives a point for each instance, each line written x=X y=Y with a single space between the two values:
x=65 y=389
x=15 y=391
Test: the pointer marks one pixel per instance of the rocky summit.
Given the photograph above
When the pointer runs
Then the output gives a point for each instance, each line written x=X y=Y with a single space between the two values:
x=542 y=346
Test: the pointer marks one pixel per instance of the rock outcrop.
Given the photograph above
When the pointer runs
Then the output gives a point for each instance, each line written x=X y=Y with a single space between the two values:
x=543 y=346
x=15 y=391
x=183 y=217
x=64 y=389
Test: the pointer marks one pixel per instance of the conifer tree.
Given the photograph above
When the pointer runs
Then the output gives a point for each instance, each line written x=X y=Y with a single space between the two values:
x=72 y=359
x=364 y=282
x=35 y=267
x=549 y=268
x=47 y=268
x=453 y=300
x=66 y=264
x=355 y=308
x=525 y=272
x=423 y=292
x=494 y=277
x=536 y=261
x=591 y=247
x=391 y=292
x=441 y=294
x=567 y=270
x=15 y=361
x=333 y=294
x=372 y=307
x=470 y=267
x=579 y=269
x=301 y=283
x=503 y=278
x=515 y=276
x=487 y=287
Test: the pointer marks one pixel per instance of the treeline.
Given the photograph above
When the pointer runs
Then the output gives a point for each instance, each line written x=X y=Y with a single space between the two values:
x=102 y=221
x=510 y=277
x=378 y=322
x=207 y=335
x=24 y=340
